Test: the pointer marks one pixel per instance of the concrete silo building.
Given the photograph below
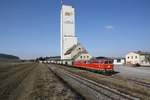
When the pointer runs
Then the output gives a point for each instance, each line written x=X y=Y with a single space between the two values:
x=68 y=38
x=70 y=48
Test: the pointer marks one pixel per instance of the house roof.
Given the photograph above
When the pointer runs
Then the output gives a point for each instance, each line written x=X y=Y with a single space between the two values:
x=142 y=53
x=117 y=58
x=73 y=47
x=79 y=53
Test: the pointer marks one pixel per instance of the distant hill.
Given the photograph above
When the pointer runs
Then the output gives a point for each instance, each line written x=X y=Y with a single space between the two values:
x=8 y=57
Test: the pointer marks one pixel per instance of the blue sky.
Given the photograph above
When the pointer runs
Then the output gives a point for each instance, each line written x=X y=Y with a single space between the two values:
x=31 y=28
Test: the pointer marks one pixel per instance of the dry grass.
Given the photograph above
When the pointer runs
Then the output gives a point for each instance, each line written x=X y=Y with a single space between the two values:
x=32 y=81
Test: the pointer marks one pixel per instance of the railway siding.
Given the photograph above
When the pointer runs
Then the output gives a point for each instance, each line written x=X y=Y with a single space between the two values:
x=90 y=89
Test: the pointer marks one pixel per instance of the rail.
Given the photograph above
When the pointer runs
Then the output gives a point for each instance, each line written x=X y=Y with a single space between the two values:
x=88 y=88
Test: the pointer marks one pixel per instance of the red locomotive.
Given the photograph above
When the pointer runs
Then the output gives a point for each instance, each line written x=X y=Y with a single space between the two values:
x=105 y=65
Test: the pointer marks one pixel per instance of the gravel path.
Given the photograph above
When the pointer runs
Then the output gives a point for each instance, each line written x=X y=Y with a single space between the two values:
x=133 y=72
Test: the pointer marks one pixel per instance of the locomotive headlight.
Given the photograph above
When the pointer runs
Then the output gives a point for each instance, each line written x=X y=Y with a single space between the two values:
x=108 y=66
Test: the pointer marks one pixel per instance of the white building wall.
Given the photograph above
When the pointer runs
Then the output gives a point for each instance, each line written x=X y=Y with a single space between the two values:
x=68 y=38
x=132 y=58
x=84 y=57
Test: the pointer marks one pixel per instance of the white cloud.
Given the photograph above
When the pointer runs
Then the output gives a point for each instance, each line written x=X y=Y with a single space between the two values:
x=109 y=27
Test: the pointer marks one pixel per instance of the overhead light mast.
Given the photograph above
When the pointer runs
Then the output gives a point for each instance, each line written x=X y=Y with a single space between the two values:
x=62 y=2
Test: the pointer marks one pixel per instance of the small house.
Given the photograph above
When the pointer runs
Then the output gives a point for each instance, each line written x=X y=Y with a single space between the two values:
x=139 y=57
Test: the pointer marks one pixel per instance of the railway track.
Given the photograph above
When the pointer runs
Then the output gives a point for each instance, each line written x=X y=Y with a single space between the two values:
x=89 y=89
x=140 y=83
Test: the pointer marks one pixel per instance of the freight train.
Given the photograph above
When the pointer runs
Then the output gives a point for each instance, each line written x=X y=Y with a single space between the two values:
x=100 y=65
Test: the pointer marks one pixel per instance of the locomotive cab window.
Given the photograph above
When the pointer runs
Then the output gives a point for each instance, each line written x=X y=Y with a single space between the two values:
x=106 y=62
x=110 y=62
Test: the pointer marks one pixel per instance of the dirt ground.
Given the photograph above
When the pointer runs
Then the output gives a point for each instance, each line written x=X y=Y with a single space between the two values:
x=32 y=82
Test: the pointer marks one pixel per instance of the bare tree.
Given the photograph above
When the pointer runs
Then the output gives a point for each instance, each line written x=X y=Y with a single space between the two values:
x=147 y=58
